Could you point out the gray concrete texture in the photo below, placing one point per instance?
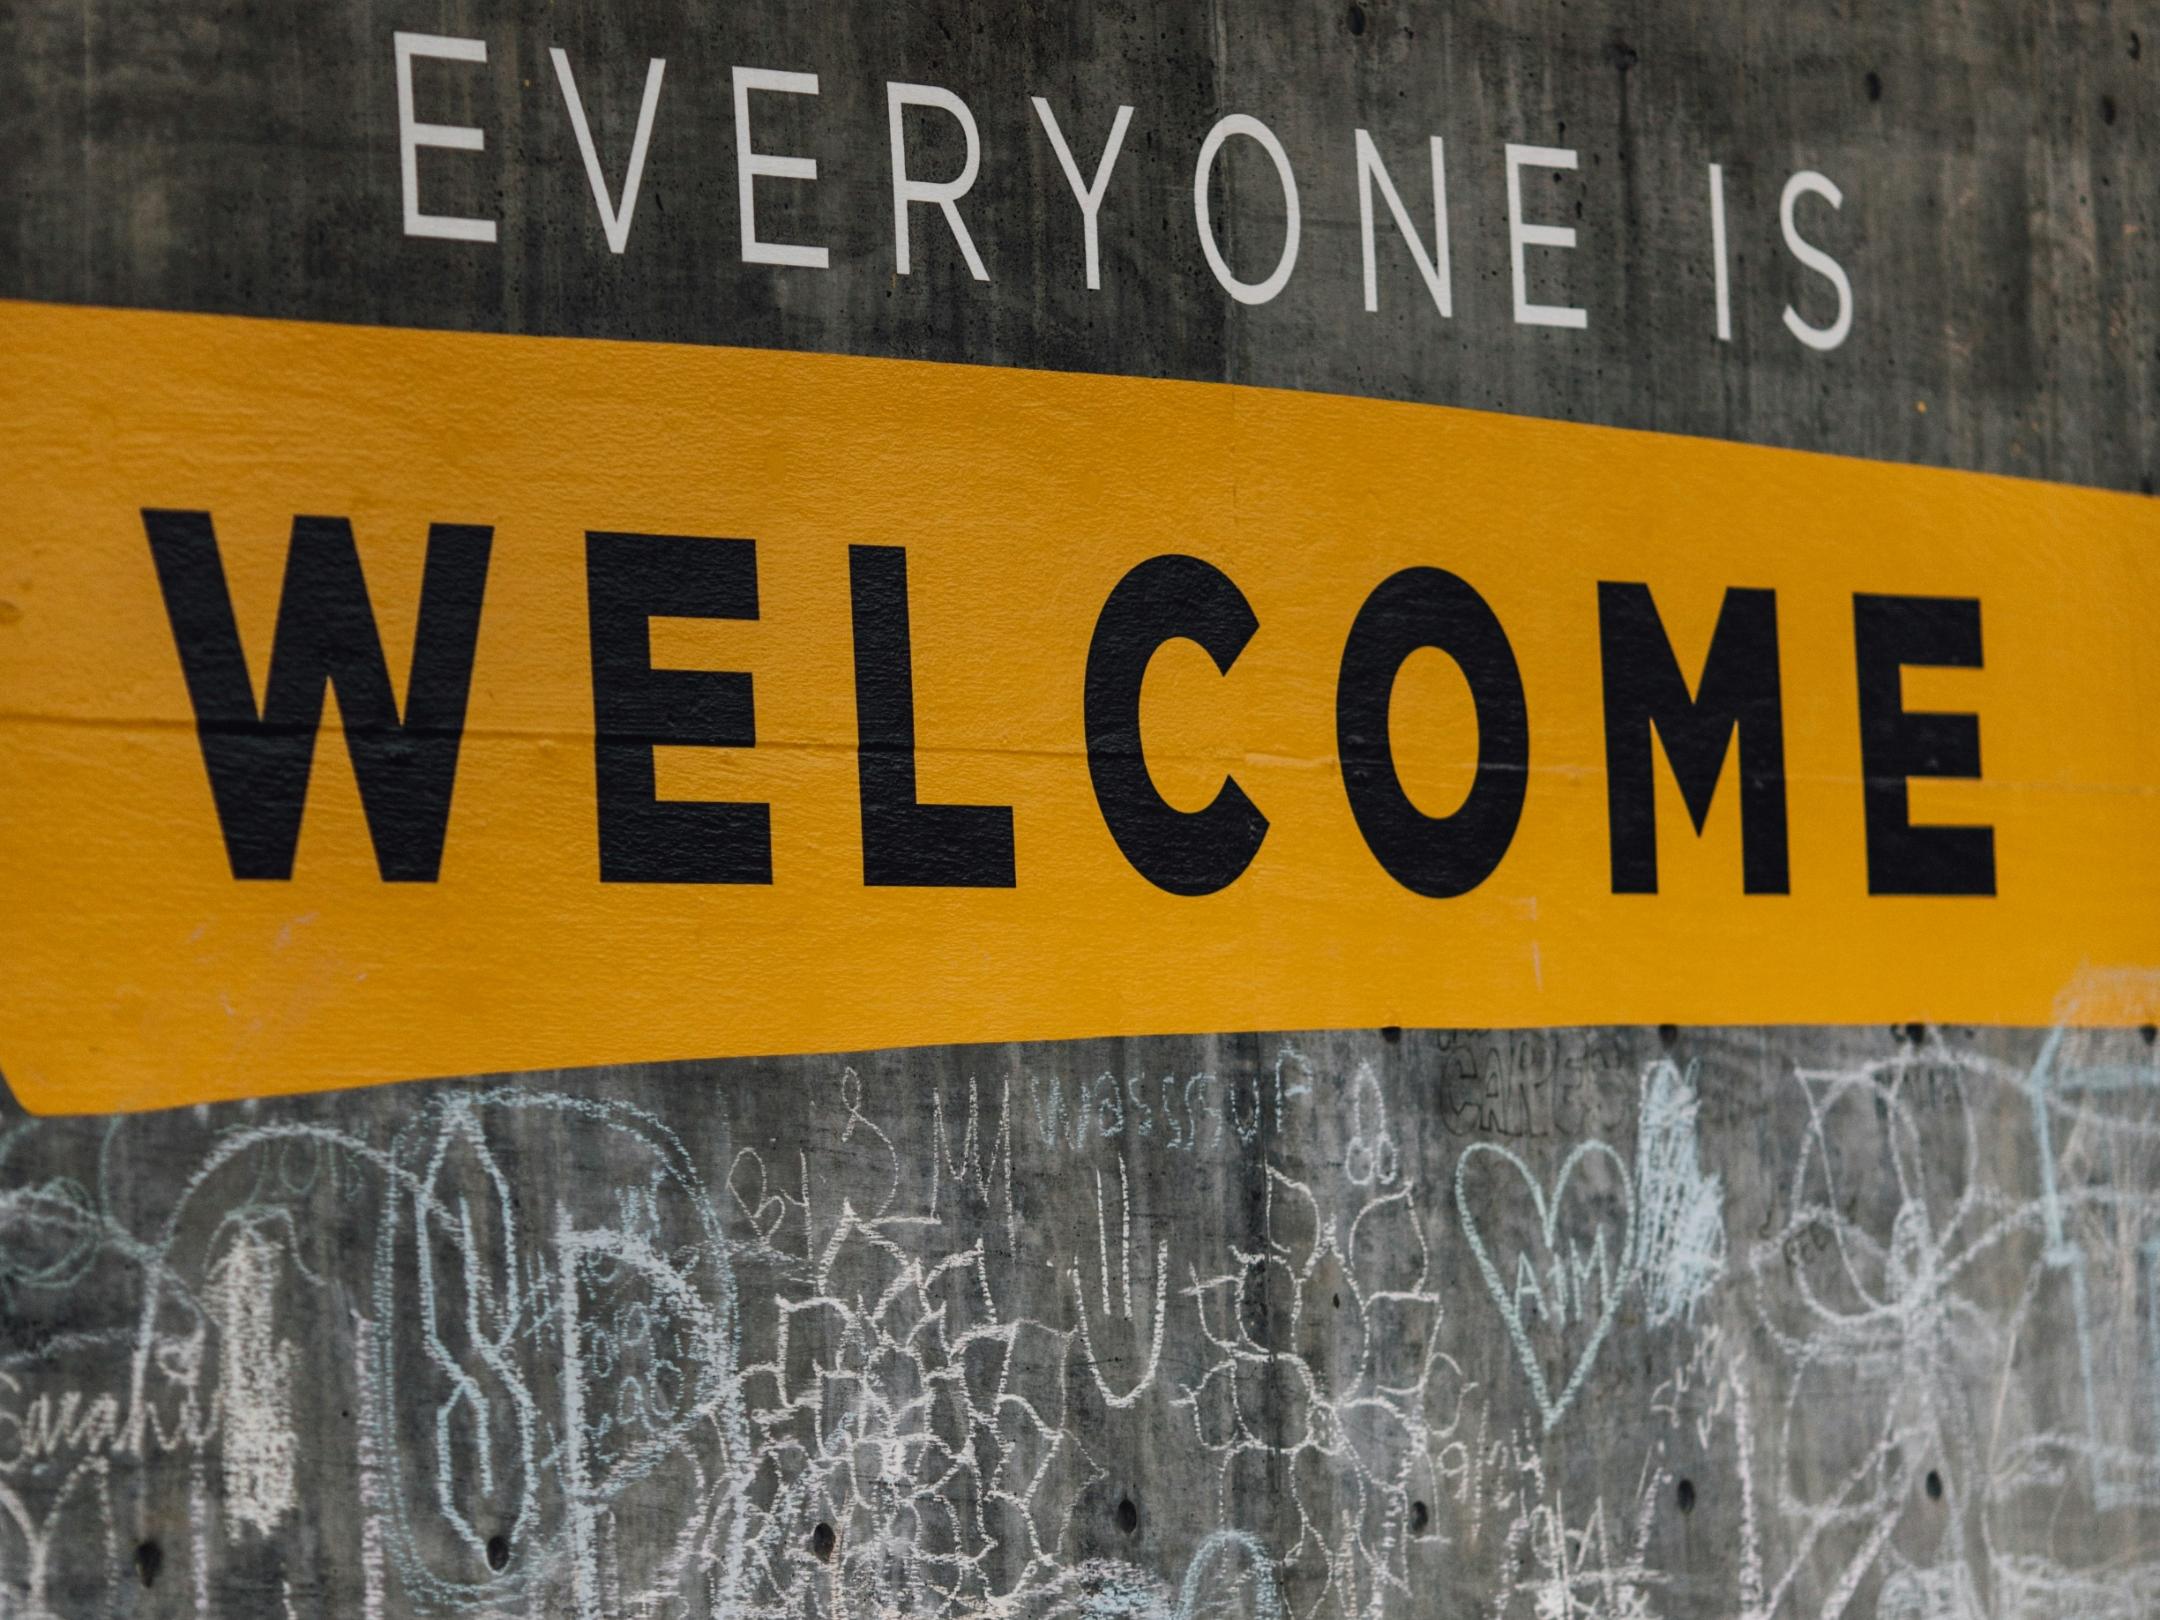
(1613, 1323)
(1347, 1325)
(2001, 224)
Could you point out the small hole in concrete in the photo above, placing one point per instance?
(1874, 86)
(1338, 1300)
(1668, 1033)
(1420, 1517)
(1128, 1516)
(2107, 109)
(1684, 1494)
(1934, 1486)
(149, 1559)
(1391, 1033)
(1357, 19)
(498, 1553)
(821, 1543)
(1916, 1033)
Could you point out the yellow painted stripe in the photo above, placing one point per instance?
(139, 972)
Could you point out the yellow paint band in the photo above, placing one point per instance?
(140, 971)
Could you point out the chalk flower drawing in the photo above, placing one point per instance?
(1322, 1351)
(1881, 1291)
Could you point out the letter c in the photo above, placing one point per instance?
(1166, 598)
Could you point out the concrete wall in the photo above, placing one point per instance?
(1614, 1322)
(1999, 224)
(1608, 1323)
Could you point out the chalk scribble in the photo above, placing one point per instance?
(1309, 1335)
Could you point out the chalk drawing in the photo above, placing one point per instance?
(1680, 1211)
(1559, 1283)
(255, 1379)
(870, 1350)
(1123, 1310)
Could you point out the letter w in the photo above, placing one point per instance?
(258, 762)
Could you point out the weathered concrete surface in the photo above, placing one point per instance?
(2001, 223)
(1794, 1323)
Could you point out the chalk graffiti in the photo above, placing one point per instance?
(1680, 1216)
(1577, 1284)
(1280, 1337)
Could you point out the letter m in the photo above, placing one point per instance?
(259, 760)
(1739, 692)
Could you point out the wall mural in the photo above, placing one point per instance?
(1344, 665)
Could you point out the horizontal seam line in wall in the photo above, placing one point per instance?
(585, 739)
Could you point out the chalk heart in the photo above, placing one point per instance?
(1548, 1206)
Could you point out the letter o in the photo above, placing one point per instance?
(1246, 292)
(1436, 856)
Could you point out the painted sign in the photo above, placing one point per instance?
(1339, 810)
(372, 721)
